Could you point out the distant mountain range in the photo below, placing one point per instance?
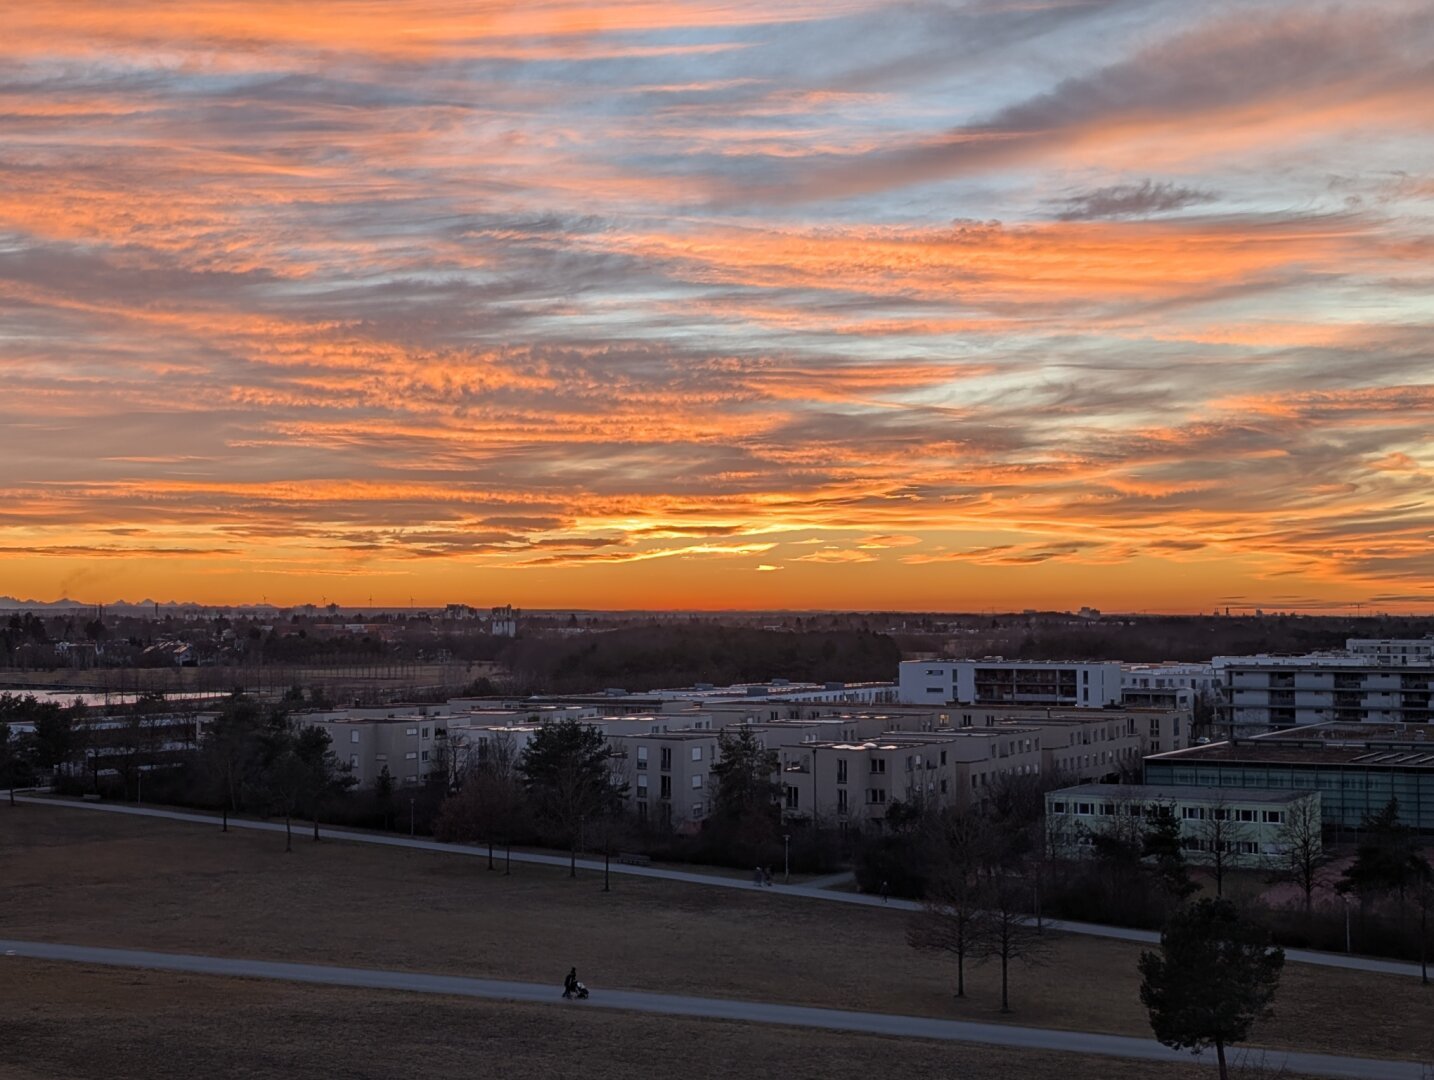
(12, 603)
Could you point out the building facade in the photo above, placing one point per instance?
(1356, 768)
(668, 775)
(1264, 693)
(996, 681)
(1251, 825)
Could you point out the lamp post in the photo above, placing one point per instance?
(411, 816)
(1347, 948)
(786, 858)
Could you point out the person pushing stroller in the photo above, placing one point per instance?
(572, 988)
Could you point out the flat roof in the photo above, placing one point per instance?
(1181, 793)
(1289, 752)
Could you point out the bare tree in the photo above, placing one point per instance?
(1222, 836)
(10, 761)
(950, 919)
(484, 807)
(286, 780)
(1005, 933)
(1302, 837)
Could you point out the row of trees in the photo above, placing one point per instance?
(568, 787)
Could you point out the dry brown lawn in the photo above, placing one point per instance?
(71, 1022)
(98, 879)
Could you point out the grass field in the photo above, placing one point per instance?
(98, 879)
(71, 1022)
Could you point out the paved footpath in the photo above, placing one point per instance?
(758, 1012)
(809, 892)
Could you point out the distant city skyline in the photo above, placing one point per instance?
(698, 305)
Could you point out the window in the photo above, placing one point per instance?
(697, 781)
(878, 764)
(1219, 813)
(793, 798)
(665, 792)
(642, 787)
(353, 736)
(411, 731)
(1192, 813)
(943, 787)
(841, 771)
(1058, 808)
(943, 757)
(425, 733)
(666, 759)
(1244, 815)
(424, 755)
(1247, 847)
(642, 811)
(353, 761)
(1084, 808)
(1108, 809)
(697, 810)
(697, 753)
(841, 801)
(1274, 817)
(876, 796)
(908, 762)
(642, 757)
(412, 755)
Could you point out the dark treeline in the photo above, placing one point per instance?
(1154, 638)
(1137, 874)
(680, 654)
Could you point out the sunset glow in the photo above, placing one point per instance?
(632, 304)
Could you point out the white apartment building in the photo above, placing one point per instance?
(854, 783)
(407, 746)
(668, 774)
(1264, 693)
(1253, 820)
(1168, 685)
(997, 681)
(1393, 650)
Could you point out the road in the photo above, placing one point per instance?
(915, 1027)
(809, 892)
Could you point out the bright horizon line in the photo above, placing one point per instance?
(1331, 610)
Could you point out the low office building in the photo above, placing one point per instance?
(1356, 768)
(997, 681)
(1252, 824)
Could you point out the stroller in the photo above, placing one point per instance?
(575, 989)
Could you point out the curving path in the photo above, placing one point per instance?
(808, 891)
(758, 1012)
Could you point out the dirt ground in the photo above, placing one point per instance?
(98, 879)
(163, 1026)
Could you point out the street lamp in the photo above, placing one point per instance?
(786, 858)
(411, 832)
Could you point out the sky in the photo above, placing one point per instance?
(719, 303)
